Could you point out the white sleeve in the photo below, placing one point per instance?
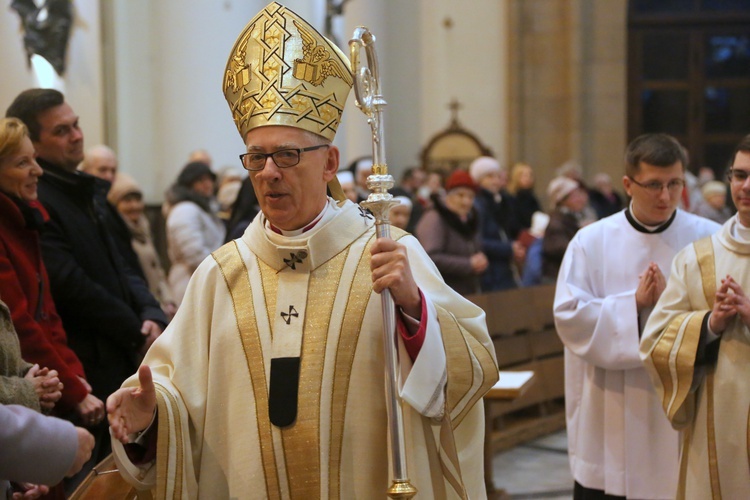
(603, 331)
(35, 448)
(423, 382)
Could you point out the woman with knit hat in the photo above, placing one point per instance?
(449, 232)
(194, 229)
(713, 205)
(126, 196)
(498, 226)
(569, 199)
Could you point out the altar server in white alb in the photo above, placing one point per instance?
(270, 380)
(696, 348)
(612, 274)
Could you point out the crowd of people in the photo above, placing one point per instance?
(85, 294)
(87, 291)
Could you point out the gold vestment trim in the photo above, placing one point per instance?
(302, 438)
(162, 446)
(234, 271)
(660, 358)
(704, 252)
(270, 282)
(449, 456)
(457, 361)
(351, 325)
(179, 440)
(490, 374)
(170, 422)
(460, 369)
(713, 462)
(460, 349)
(685, 361)
(687, 436)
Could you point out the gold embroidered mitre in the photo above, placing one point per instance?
(281, 71)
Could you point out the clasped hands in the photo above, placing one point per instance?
(651, 284)
(730, 301)
(47, 385)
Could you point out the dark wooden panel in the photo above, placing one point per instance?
(512, 350)
(545, 343)
(552, 375)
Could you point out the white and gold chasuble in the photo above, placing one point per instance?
(709, 403)
(255, 299)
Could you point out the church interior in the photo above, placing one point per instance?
(542, 82)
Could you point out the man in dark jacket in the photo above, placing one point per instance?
(107, 310)
(101, 161)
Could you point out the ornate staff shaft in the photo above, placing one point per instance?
(370, 101)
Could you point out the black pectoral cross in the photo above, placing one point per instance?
(295, 258)
(287, 317)
(365, 214)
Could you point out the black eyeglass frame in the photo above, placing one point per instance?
(730, 175)
(650, 186)
(299, 152)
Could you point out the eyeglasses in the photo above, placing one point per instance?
(738, 176)
(656, 187)
(283, 158)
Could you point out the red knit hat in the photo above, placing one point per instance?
(460, 178)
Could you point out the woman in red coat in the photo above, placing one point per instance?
(24, 284)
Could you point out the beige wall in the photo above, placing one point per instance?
(82, 84)
(568, 85)
(538, 80)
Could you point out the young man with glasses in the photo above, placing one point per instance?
(270, 380)
(696, 348)
(612, 274)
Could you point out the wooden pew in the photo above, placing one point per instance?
(522, 328)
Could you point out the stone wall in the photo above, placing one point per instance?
(568, 86)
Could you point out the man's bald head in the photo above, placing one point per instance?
(100, 161)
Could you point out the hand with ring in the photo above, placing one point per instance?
(91, 410)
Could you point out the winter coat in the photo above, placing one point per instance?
(450, 243)
(193, 232)
(14, 389)
(102, 302)
(525, 203)
(25, 288)
(148, 258)
(563, 225)
(497, 229)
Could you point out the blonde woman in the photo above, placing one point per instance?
(521, 187)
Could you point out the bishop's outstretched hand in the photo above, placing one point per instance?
(131, 409)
